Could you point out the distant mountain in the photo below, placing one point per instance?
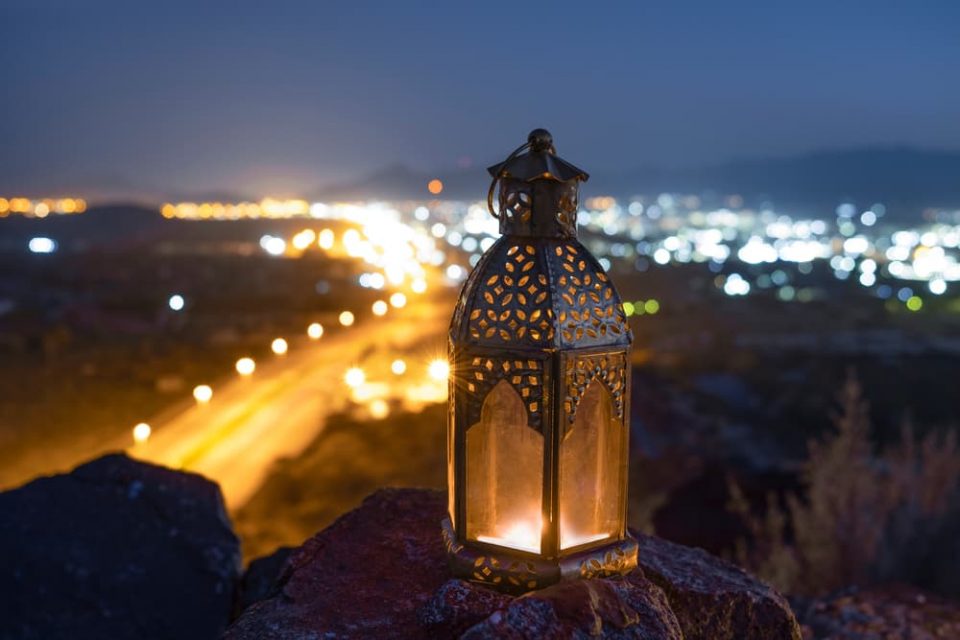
(905, 180)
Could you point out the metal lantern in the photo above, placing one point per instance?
(538, 408)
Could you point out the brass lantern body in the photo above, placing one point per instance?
(538, 414)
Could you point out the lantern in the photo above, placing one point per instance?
(538, 405)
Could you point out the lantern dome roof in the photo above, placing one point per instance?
(540, 162)
(541, 293)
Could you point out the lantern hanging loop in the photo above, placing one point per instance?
(539, 140)
(496, 178)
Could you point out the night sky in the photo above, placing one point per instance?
(289, 96)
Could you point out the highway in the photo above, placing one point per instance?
(278, 410)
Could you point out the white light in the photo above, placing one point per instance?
(346, 318)
(380, 308)
(42, 245)
(376, 281)
(455, 272)
(868, 279)
(398, 300)
(141, 433)
(315, 331)
(273, 245)
(438, 230)
(379, 409)
(868, 218)
(246, 366)
(938, 287)
(398, 366)
(202, 393)
(661, 256)
(419, 285)
(325, 239)
(421, 213)
(439, 370)
(354, 377)
(736, 285)
(176, 302)
(856, 245)
(279, 346)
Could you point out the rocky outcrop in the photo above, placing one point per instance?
(116, 549)
(380, 571)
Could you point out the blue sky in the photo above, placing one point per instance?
(282, 97)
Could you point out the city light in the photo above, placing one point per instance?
(380, 308)
(176, 302)
(354, 377)
(398, 300)
(419, 285)
(435, 187)
(398, 367)
(439, 370)
(41, 208)
(325, 239)
(202, 393)
(315, 331)
(246, 366)
(273, 245)
(379, 409)
(279, 346)
(346, 318)
(41, 244)
(141, 432)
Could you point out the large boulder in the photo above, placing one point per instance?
(116, 549)
(713, 599)
(381, 571)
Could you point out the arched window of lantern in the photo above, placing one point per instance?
(592, 471)
(504, 474)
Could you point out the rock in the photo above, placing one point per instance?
(881, 612)
(116, 549)
(366, 575)
(260, 578)
(381, 571)
(713, 599)
(457, 606)
(615, 608)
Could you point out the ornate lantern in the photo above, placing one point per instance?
(538, 410)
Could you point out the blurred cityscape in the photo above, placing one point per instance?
(195, 334)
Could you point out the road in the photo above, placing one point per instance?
(276, 412)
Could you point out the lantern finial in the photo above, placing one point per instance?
(540, 140)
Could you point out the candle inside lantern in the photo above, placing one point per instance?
(523, 535)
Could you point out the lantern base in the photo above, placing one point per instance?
(517, 572)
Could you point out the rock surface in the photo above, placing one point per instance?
(116, 549)
(881, 612)
(380, 571)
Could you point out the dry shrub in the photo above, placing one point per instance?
(865, 517)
